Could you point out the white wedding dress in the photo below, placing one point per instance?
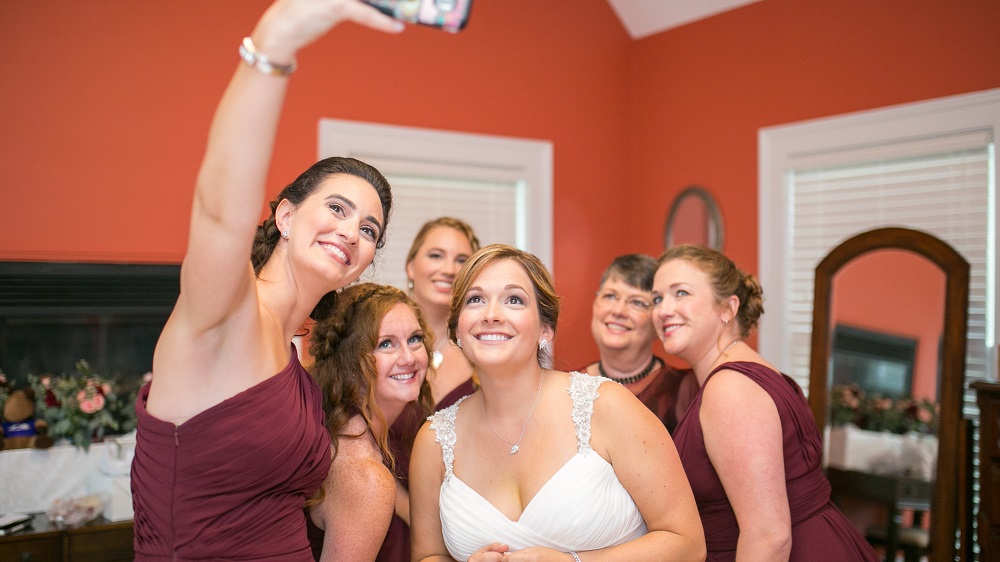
(582, 507)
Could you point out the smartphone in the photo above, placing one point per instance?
(449, 15)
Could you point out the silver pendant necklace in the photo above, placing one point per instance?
(514, 445)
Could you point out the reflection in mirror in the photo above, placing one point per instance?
(884, 304)
(887, 318)
(886, 290)
(694, 218)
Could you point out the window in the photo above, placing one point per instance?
(501, 186)
(928, 166)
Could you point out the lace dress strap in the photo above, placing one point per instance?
(443, 426)
(583, 389)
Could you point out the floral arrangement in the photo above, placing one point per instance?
(849, 405)
(82, 406)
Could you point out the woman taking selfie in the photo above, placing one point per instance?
(213, 478)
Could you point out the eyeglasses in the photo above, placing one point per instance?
(635, 304)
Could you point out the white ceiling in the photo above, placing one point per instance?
(646, 17)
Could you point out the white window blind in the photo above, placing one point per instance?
(493, 208)
(941, 185)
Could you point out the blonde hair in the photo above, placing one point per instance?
(448, 222)
(545, 291)
(727, 280)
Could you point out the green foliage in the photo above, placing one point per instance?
(849, 405)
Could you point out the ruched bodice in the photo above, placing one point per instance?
(583, 506)
(230, 483)
(815, 520)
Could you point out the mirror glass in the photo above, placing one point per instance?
(694, 218)
(886, 325)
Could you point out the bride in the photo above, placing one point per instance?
(541, 464)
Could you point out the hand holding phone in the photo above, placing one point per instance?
(449, 15)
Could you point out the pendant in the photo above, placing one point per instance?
(513, 450)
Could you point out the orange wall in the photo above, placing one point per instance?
(105, 104)
(899, 293)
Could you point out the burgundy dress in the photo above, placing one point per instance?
(230, 483)
(820, 532)
(669, 394)
(396, 547)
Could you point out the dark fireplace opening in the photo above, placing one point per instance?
(53, 314)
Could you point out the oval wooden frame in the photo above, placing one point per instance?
(716, 230)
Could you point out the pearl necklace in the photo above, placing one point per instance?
(634, 378)
(515, 446)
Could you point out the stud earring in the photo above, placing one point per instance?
(542, 344)
(458, 342)
(284, 235)
(409, 284)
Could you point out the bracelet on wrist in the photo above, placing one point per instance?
(576, 557)
(249, 55)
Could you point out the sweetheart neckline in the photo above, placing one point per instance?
(545, 486)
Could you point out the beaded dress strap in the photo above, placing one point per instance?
(583, 391)
(443, 426)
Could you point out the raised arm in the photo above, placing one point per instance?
(744, 442)
(229, 194)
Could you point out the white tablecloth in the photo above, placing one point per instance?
(31, 479)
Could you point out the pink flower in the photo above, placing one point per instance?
(147, 377)
(105, 389)
(925, 416)
(92, 405)
(46, 382)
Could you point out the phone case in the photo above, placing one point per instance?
(449, 15)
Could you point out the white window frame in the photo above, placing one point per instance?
(395, 149)
(779, 145)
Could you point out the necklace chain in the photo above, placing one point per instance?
(515, 446)
(629, 380)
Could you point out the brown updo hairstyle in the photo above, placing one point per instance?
(267, 235)
(343, 347)
(545, 291)
(726, 279)
(449, 222)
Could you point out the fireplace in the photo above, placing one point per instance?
(53, 314)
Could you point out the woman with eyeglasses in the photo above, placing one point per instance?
(623, 331)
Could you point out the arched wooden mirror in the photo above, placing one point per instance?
(890, 249)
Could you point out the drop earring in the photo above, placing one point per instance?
(458, 342)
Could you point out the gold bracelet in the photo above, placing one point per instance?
(249, 54)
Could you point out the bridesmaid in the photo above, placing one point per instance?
(748, 442)
(371, 356)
